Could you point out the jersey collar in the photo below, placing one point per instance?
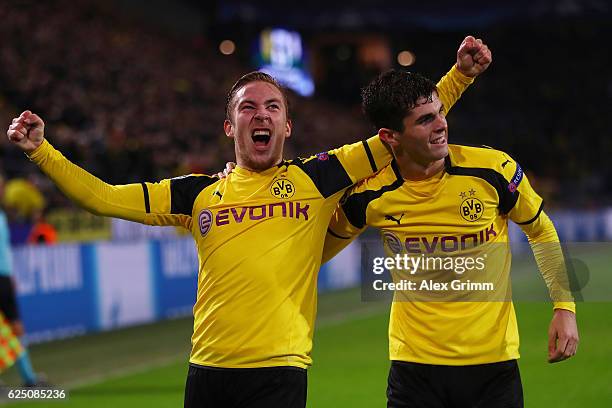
(249, 173)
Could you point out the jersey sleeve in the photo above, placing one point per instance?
(163, 203)
(547, 251)
(350, 217)
(360, 160)
(340, 233)
(337, 169)
(525, 207)
(451, 86)
(519, 200)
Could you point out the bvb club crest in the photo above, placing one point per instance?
(471, 209)
(282, 188)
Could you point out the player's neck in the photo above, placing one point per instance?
(411, 170)
(254, 168)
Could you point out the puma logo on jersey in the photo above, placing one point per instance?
(217, 193)
(504, 163)
(392, 218)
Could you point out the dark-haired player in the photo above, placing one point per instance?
(443, 199)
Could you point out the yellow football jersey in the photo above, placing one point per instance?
(259, 237)
(464, 207)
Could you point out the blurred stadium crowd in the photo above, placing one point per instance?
(130, 102)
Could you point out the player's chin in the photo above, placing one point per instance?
(264, 160)
(438, 151)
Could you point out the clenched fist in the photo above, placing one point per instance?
(473, 57)
(27, 131)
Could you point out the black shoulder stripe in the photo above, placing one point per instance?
(184, 190)
(327, 173)
(145, 190)
(396, 171)
(508, 196)
(355, 205)
(333, 234)
(535, 217)
(370, 156)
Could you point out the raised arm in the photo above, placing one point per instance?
(473, 58)
(149, 203)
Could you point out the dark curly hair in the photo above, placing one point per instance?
(255, 76)
(392, 95)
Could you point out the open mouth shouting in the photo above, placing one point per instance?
(261, 139)
(440, 140)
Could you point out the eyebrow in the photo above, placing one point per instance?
(423, 118)
(252, 102)
(426, 116)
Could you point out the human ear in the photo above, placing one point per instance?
(389, 136)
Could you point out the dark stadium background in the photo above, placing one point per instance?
(135, 91)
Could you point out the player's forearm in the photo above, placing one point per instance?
(88, 191)
(546, 248)
(451, 86)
